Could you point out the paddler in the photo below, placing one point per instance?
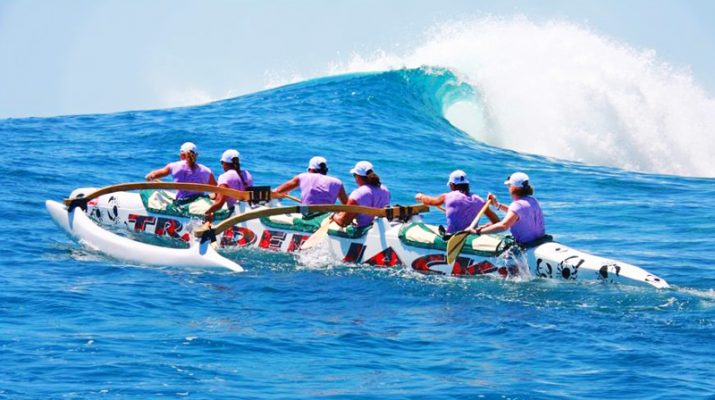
(523, 216)
(460, 205)
(369, 193)
(233, 178)
(186, 170)
(316, 187)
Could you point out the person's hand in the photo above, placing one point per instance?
(419, 196)
(209, 216)
(212, 196)
(477, 230)
(149, 177)
(494, 200)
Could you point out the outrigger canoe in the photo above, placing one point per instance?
(398, 238)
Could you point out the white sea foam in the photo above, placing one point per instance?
(317, 257)
(562, 90)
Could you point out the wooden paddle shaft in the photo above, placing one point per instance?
(479, 215)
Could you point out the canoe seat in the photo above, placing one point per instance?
(349, 231)
(162, 202)
(296, 222)
(419, 234)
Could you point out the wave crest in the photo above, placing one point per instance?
(560, 90)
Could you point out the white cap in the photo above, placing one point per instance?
(517, 179)
(229, 155)
(189, 147)
(316, 161)
(362, 168)
(458, 177)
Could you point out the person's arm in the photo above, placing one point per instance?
(509, 220)
(158, 173)
(249, 179)
(493, 217)
(430, 200)
(345, 218)
(219, 201)
(342, 196)
(497, 205)
(288, 186)
(212, 182)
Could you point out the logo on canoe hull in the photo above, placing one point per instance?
(609, 272)
(567, 269)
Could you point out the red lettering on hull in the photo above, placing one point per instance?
(238, 236)
(355, 253)
(296, 241)
(162, 226)
(272, 240)
(385, 258)
(462, 266)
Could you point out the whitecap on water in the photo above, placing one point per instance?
(317, 257)
(707, 296)
(588, 97)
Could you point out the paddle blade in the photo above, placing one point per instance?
(317, 236)
(454, 246)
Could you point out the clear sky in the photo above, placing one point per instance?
(77, 57)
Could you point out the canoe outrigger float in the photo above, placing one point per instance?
(397, 238)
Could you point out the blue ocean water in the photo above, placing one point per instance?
(74, 324)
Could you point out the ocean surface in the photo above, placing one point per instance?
(77, 325)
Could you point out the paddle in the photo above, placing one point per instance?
(456, 242)
(319, 235)
(397, 211)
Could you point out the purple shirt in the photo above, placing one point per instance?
(461, 209)
(530, 225)
(231, 179)
(181, 172)
(369, 196)
(317, 188)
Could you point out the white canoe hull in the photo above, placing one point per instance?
(380, 247)
(81, 228)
